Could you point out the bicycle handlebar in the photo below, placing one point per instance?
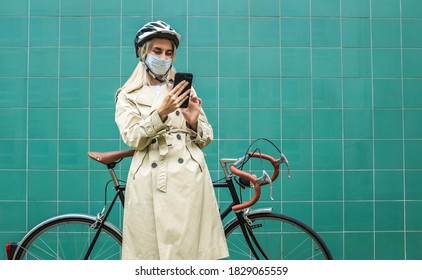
(257, 182)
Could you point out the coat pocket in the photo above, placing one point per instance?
(137, 161)
(197, 155)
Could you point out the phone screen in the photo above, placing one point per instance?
(179, 77)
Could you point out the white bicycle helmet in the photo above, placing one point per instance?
(155, 29)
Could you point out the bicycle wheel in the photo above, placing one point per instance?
(280, 237)
(68, 237)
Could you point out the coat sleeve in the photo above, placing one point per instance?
(136, 132)
(203, 134)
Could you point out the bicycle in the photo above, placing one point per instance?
(250, 234)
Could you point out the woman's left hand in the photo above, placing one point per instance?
(191, 113)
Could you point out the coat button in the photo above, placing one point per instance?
(153, 141)
(177, 113)
(153, 165)
(180, 160)
(178, 136)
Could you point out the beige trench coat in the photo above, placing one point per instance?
(170, 209)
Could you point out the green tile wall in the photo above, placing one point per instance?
(337, 84)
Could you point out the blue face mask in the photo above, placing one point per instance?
(157, 65)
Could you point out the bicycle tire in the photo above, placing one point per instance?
(281, 238)
(67, 237)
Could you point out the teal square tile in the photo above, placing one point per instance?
(356, 32)
(232, 148)
(234, 127)
(388, 93)
(102, 92)
(388, 154)
(355, 8)
(412, 124)
(105, 62)
(357, 93)
(412, 38)
(298, 210)
(44, 31)
(296, 123)
(13, 124)
(14, 31)
(130, 26)
(44, 8)
(12, 222)
(264, 32)
(102, 124)
(296, 8)
(12, 154)
(296, 62)
(388, 124)
(325, 8)
(358, 154)
(326, 93)
(233, 8)
(43, 62)
(387, 63)
(43, 92)
(389, 246)
(17, 180)
(389, 185)
(207, 90)
(299, 153)
(358, 216)
(73, 154)
(386, 33)
(74, 62)
(13, 100)
(413, 150)
(385, 8)
(74, 92)
(73, 123)
(328, 216)
(413, 210)
(14, 62)
(228, 26)
(196, 36)
(74, 31)
(358, 246)
(41, 211)
(295, 32)
(198, 8)
(42, 185)
(166, 8)
(412, 187)
(327, 124)
(75, 8)
(42, 154)
(413, 245)
(265, 93)
(265, 62)
(270, 9)
(412, 93)
(15, 8)
(73, 207)
(389, 215)
(105, 31)
(129, 62)
(265, 123)
(328, 154)
(358, 124)
(236, 62)
(296, 92)
(411, 8)
(412, 67)
(42, 123)
(234, 92)
(357, 63)
(203, 61)
(106, 8)
(298, 188)
(132, 8)
(358, 185)
(326, 32)
(326, 62)
(327, 185)
(73, 185)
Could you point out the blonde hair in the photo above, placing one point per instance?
(140, 77)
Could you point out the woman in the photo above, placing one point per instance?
(170, 210)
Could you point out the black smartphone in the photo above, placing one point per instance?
(179, 77)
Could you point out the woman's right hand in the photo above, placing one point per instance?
(172, 100)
